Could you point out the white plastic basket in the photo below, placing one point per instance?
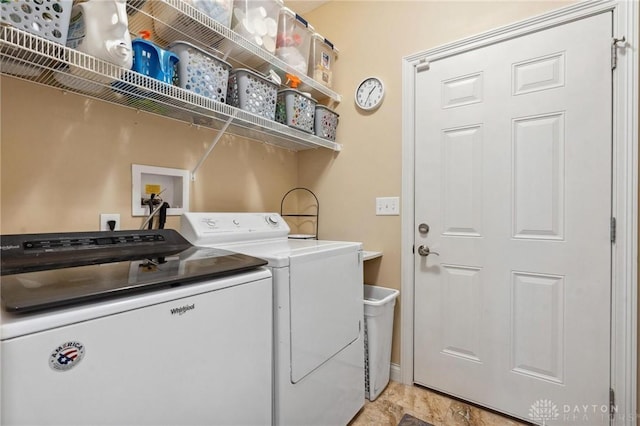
(200, 72)
(325, 123)
(251, 92)
(45, 18)
(295, 110)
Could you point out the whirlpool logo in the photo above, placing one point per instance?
(183, 309)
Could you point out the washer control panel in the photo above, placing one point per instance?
(218, 228)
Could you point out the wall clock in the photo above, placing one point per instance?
(369, 94)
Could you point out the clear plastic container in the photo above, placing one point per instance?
(218, 10)
(171, 25)
(296, 110)
(322, 57)
(252, 92)
(257, 21)
(200, 72)
(293, 40)
(325, 123)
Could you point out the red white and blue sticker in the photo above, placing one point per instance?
(66, 356)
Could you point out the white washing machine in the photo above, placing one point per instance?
(133, 328)
(318, 313)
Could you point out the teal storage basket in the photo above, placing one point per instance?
(153, 61)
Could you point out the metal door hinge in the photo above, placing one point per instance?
(617, 42)
(613, 229)
(423, 65)
(612, 403)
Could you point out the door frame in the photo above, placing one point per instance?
(624, 260)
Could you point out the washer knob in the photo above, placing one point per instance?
(236, 222)
(210, 223)
(272, 219)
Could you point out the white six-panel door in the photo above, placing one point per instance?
(513, 178)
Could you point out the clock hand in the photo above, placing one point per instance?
(369, 95)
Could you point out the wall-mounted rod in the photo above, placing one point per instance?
(215, 140)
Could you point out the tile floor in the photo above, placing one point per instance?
(398, 399)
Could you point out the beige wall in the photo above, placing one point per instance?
(66, 159)
(373, 37)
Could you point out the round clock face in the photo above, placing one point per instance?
(369, 93)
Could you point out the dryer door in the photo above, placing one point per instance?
(326, 291)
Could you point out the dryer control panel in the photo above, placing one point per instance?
(218, 228)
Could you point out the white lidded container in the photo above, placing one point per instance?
(293, 40)
(257, 21)
(379, 303)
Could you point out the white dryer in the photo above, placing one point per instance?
(318, 313)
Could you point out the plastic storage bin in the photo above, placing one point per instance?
(325, 123)
(379, 303)
(218, 10)
(168, 19)
(251, 92)
(293, 40)
(154, 61)
(45, 18)
(201, 72)
(257, 21)
(296, 110)
(322, 57)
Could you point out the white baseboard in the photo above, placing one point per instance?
(395, 373)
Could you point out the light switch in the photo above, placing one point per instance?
(387, 206)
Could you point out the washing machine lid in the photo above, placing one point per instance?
(42, 271)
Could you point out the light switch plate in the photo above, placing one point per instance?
(387, 206)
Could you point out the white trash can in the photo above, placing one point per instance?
(379, 303)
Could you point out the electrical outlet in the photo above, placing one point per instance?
(387, 206)
(106, 217)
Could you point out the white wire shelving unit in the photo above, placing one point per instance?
(30, 57)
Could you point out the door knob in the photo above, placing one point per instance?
(426, 251)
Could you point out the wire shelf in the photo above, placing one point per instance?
(179, 20)
(29, 57)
